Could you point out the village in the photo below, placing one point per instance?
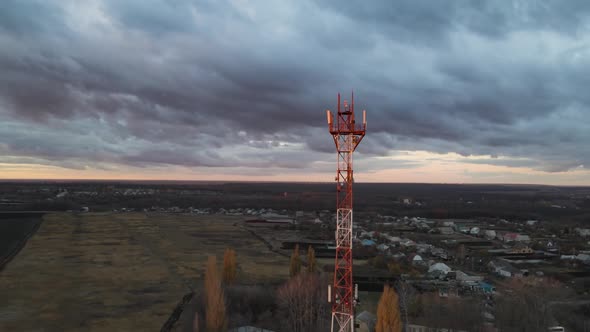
(468, 259)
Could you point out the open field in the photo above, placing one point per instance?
(123, 272)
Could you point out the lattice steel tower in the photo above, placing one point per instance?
(347, 136)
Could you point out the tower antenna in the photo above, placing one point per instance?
(347, 136)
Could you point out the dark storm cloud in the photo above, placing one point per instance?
(33, 16)
(215, 84)
(426, 21)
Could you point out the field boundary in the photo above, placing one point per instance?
(175, 316)
(19, 246)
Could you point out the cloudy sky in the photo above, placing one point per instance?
(455, 91)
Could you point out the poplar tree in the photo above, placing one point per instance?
(229, 266)
(295, 264)
(311, 262)
(388, 315)
(215, 319)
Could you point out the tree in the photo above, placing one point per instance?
(388, 316)
(196, 322)
(295, 265)
(461, 253)
(394, 268)
(526, 306)
(406, 296)
(452, 313)
(229, 266)
(303, 301)
(215, 319)
(311, 262)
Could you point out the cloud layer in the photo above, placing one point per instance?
(210, 84)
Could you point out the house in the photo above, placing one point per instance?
(249, 329)
(423, 248)
(417, 260)
(462, 229)
(366, 322)
(439, 267)
(504, 269)
(584, 232)
(368, 243)
(484, 287)
(446, 230)
(382, 247)
(489, 234)
(422, 328)
(474, 231)
(467, 278)
(509, 237)
(407, 243)
(523, 238)
(392, 239)
(440, 252)
(448, 292)
(584, 258)
(398, 256)
(520, 248)
(531, 222)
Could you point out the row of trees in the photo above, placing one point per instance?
(296, 263)
(304, 299)
(300, 303)
(215, 306)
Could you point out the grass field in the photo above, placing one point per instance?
(120, 272)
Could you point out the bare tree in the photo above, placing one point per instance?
(451, 313)
(303, 301)
(525, 304)
(406, 294)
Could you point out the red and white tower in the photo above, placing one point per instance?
(347, 135)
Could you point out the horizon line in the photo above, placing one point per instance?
(4, 180)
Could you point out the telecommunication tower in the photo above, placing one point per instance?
(347, 135)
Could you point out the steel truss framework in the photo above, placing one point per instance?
(347, 136)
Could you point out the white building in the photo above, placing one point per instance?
(504, 269)
(583, 231)
(439, 267)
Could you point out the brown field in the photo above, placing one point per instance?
(121, 272)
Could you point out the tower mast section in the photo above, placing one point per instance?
(347, 135)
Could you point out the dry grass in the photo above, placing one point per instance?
(120, 272)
